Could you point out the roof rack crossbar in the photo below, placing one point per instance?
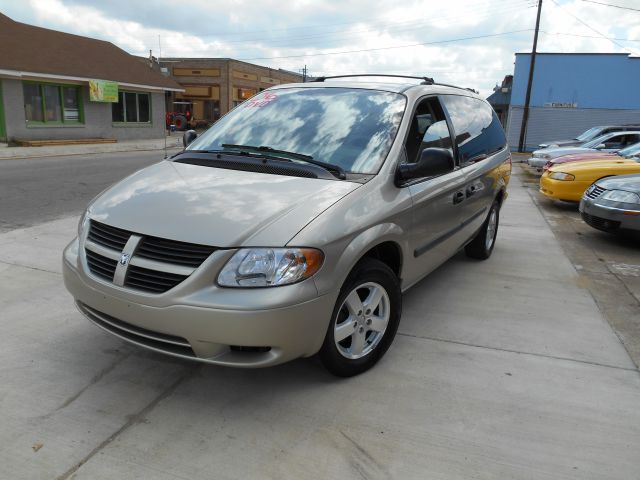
(425, 80)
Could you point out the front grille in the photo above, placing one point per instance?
(600, 223)
(170, 251)
(108, 236)
(151, 280)
(595, 191)
(157, 276)
(101, 266)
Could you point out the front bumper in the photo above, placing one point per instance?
(537, 162)
(607, 218)
(566, 190)
(199, 321)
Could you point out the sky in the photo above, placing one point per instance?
(470, 43)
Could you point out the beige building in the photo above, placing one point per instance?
(213, 86)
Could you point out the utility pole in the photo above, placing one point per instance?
(527, 100)
(304, 74)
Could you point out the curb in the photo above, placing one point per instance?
(34, 155)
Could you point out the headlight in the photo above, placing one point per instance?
(269, 267)
(621, 196)
(562, 176)
(83, 223)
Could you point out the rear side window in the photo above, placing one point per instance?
(477, 129)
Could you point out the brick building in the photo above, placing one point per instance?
(54, 85)
(213, 86)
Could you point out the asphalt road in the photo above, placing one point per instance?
(33, 191)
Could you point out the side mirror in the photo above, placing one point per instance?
(600, 147)
(432, 162)
(188, 137)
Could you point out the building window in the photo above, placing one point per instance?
(132, 107)
(49, 103)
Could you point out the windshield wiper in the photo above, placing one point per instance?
(272, 152)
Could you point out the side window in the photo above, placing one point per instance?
(617, 141)
(428, 129)
(629, 139)
(477, 128)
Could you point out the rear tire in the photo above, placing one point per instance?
(364, 320)
(482, 244)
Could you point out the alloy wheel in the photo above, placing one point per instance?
(362, 320)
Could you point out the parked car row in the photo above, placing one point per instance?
(603, 174)
(607, 143)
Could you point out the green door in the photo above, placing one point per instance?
(3, 131)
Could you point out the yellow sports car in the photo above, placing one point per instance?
(568, 181)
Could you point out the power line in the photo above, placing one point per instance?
(390, 48)
(485, 8)
(397, 27)
(614, 6)
(589, 36)
(590, 27)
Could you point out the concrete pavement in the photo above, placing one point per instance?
(501, 369)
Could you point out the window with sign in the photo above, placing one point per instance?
(46, 103)
(132, 107)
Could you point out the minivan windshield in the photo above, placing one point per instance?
(349, 127)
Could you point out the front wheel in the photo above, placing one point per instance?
(482, 244)
(365, 319)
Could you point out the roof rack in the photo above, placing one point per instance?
(425, 80)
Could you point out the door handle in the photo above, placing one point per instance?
(458, 197)
(471, 190)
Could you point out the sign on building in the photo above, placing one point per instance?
(103, 91)
(561, 104)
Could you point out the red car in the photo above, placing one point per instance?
(578, 157)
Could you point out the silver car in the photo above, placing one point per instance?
(588, 135)
(610, 142)
(612, 204)
(293, 225)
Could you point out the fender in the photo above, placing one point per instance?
(354, 251)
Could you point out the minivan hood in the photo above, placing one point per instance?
(214, 206)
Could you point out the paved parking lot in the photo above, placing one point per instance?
(501, 369)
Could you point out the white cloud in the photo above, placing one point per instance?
(246, 29)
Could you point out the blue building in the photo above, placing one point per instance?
(572, 92)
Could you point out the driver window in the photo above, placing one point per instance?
(428, 129)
